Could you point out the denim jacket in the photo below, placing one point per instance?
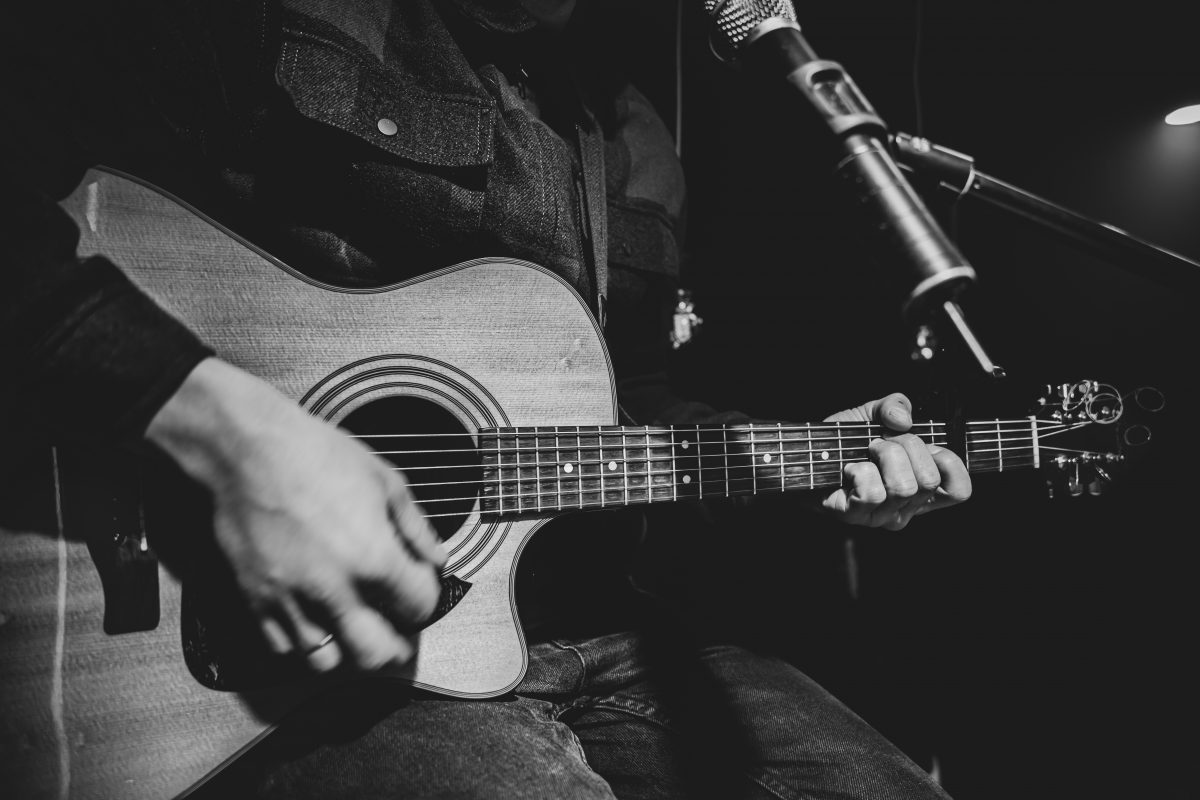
(360, 142)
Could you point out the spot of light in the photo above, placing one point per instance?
(1184, 116)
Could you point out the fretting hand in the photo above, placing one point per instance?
(904, 476)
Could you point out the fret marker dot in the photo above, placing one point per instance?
(687, 478)
(612, 466)
(685, 444)
(824, 455)
(568, 468)
(766, 458)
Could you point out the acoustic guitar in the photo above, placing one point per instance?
(125, 673)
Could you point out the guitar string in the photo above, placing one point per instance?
(649, 500)
(593, 442)
(576, 482)
(615, 459)
(616, 430)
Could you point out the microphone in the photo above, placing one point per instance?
(764, 37)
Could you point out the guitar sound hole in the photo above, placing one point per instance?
(431, 448)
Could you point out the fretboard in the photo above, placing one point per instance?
(545, 470)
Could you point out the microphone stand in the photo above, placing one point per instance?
(956, 173)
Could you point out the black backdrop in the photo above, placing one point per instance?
(1034, 647)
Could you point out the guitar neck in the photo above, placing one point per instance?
(545, 470)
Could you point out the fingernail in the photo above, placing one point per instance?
(897, 414)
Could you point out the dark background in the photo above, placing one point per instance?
(1030, 647)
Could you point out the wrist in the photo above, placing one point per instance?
(214, 424)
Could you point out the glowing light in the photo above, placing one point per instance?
(1184, 116)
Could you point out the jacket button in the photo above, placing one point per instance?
(387, 127)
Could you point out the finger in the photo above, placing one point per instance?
(404, 590)
(309, 640)
(408, 518)
(894, 412)
(277, 638)
(955, 481)
(896, 472)
(924, 467)
(862, 492)
(370, 641)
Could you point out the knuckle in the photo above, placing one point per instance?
(903, 488)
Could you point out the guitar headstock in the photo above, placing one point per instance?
(1088, 431)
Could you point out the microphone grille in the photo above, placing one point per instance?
(734, 19)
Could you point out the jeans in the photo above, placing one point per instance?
(623, 715)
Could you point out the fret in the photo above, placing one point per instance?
(521, 500)
(753, 463)
(558, 474)
(830, 468)
(674, 473)
(602, 466)
(782, 471)
(841, 459)
(499, 476)
(725, 447)
(796, 471)
(530, 473)
(577, 468)
(625, 464)
(649, 471)
(660, 482)
(686, 463)
(999, 445)
(699, 464)
(537, 469)
(610, 461)
(1033, 432)
(812, 474)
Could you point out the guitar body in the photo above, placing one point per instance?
(487, 343)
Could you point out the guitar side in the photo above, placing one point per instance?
(495, 343)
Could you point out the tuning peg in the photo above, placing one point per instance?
(1095, 487)
(1050, 489)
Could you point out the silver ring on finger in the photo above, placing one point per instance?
(327, 640)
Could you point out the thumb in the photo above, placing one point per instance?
(893, 411)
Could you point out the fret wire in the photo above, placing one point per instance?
(699, 464)
(579, 471)
(753, 461)
(1001, 446)
(600, 442)
(811, 471)
(674, 471)
(779, 434)
(841, 455)
(557, 470)
(500, 473)
(625, 464)
(537, 465)
(725, 447)
(649, 473)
